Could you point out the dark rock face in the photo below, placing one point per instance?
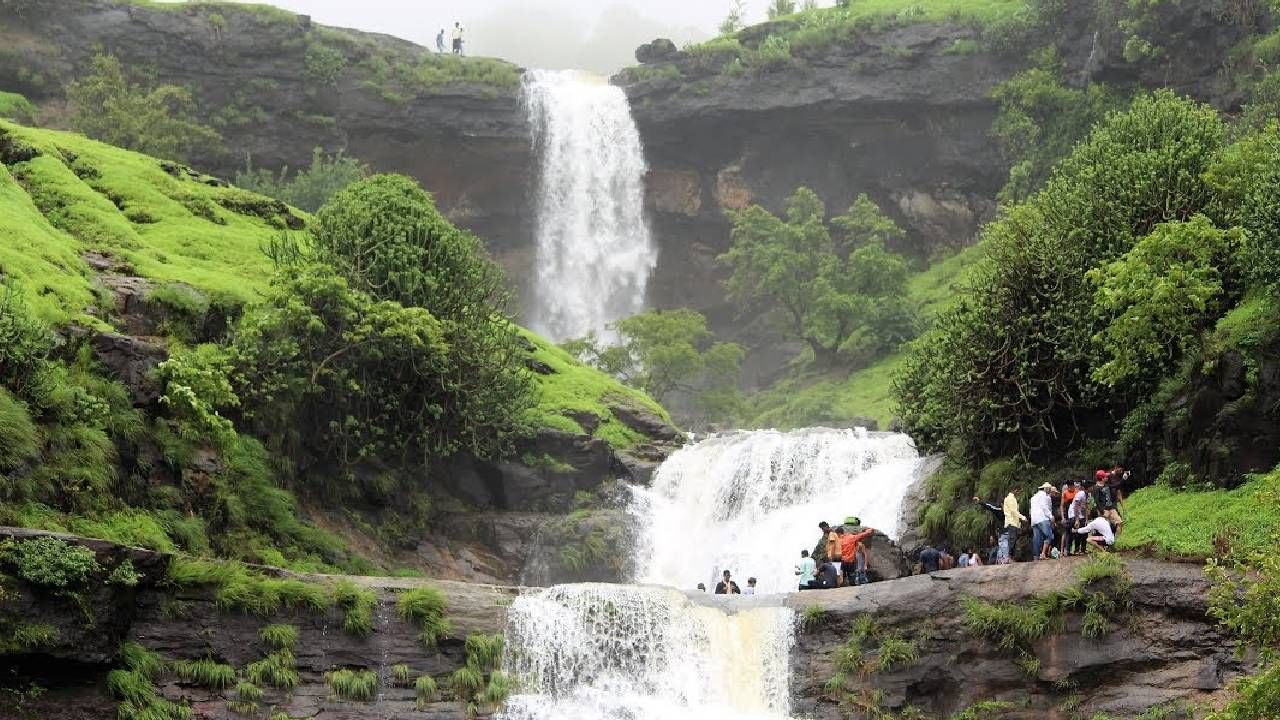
(656, 51)
(1164, 649)
(188, 625)
(131, 360)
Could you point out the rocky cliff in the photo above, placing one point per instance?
(1157, 648)
(899, 110)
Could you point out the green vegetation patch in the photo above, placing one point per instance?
(1193, 523)
(355, 685)
(567, 388)
(426, 607)
(14, 106)
(239, 588)
(77, 195)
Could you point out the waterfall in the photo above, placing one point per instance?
(749, 502)
(594, 249)
(746, 501)
(584, 652)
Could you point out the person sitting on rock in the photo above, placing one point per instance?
(751, 587)
(827, 576)
(1099, 532)
(806, 571)
(975, 559)
(702, 587)
(727, 586)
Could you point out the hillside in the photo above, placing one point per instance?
(132, 260)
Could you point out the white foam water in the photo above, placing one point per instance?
(594, 248)
(586, 652)
(749, 502)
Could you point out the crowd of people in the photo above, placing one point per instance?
(1064, 521)
(458, 43)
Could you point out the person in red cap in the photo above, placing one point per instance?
(1104, 498)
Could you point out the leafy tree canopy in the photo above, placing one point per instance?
(156, 120)
(1010, 368)
(843, 296)
(667, 354)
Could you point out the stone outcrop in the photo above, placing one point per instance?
(1162, 649)
(187, 624)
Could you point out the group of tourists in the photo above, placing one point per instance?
(457, 40)
(727, 586)
(839, 559)
(1064, 521)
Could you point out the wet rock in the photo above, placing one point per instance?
(656, 51)
(131, 360)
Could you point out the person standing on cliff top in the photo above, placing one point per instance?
(820, 550)
(727, 586)
(1042, 521)
(457, 38)
(1013, 520)
(440, 42)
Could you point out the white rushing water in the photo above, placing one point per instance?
(594, 248)
(587, 652)
(749, 502)
(746, 501)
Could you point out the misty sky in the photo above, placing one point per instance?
(598, 35)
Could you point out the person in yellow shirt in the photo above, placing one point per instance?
(1013, 520)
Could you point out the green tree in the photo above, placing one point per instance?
(1246, 181)
(1009, 369)
(843, 296)
(668, 354)
(386, 237)
(160, 120)
(1160, 297)
(781, 8)
(308, 188)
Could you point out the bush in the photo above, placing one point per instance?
(52, 563)
(160, 121)
(323, 65)
(25, 345)
(386, 237)
(308, 188)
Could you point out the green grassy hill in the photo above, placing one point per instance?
(63, 195)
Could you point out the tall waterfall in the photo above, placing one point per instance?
(594, 249)
(746, 501)
(584, 652)
(749, 502)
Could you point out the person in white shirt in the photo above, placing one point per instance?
(751, 587)
(1042, 521)
(1099, 532)
(806, 570)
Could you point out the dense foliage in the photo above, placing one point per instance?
(843, 294)
(1011, 367)
(669, 354)
(309, 188)
(158, 120)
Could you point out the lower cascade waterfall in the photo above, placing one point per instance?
(749, 502)
(744, 501)
(585, 652)
(594, 248)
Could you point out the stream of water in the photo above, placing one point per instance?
(746, 501)
(594, 248)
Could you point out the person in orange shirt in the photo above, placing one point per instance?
(850, 547)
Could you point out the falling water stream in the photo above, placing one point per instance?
(594, 248)
(746, 501)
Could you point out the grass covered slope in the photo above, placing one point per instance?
(1163, 520)
(63, 195)
(570, 391)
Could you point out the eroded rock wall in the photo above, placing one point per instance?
(1163, 649)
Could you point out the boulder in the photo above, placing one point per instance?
(656, 51)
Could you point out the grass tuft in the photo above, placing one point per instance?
(426, 690)
(279, 637)
(425, 607)
(355, 685)
(357, 604)
(277, 670)
(206, 673)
